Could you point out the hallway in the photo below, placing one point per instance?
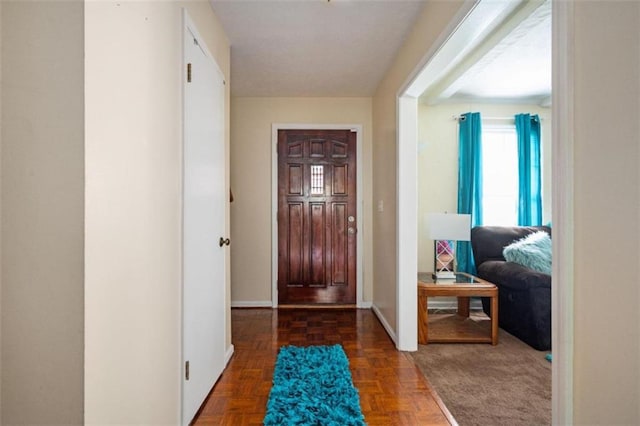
(392, 389)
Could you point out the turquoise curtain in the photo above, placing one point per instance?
(469, 182)
(530, 181)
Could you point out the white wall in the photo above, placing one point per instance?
(251, 120)
(42, 178)
(431, 22)
(133, 206)
(606, 214)
(438, 161)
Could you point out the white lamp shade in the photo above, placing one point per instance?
(449, 226)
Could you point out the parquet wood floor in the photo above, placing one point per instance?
(392, 389)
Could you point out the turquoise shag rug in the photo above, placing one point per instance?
(312, 386)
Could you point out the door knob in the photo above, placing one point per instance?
(224, 241)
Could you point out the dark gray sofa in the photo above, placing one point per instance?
(524, 295)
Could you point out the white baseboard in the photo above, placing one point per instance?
(251, 304)
(268, 304)
(228, 355)
(385, 324)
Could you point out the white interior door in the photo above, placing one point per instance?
(204, 198)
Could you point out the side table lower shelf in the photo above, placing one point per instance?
(454, 328)
(458, 327)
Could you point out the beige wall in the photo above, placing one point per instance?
(42, 212)
(133, 206)
(438, 161)
(251, 120)
(607, 213)
(429, 25)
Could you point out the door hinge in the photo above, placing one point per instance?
(186, 370)
(189, 73)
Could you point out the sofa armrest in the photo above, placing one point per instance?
(512, 275)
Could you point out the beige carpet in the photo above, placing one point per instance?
(507, 384)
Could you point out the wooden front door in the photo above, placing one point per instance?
(317, 216)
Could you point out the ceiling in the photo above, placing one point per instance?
(313, 47)
(344, 47)
(511, 64)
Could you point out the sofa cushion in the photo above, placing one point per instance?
(532, 251)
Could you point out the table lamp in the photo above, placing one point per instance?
(445, 229)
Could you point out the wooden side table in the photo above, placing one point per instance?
(457, 328)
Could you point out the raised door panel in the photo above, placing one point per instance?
(295, 179)
(339, 180)
(317, 244)
(295, 244)
(339, 249)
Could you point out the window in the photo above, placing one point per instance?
(499, 175)
(317, 180)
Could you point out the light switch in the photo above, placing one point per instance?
(380, 205)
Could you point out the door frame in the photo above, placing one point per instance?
(562, 297)
(275, 127)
